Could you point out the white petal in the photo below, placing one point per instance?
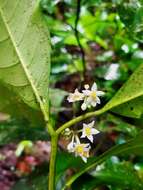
(93, 104)
(100, 93)
(95, 131)
(98, 100)
(70, 147)
(85, 125)
(69, 98)
(94, 86)
(76, 91)
(91, 124)
(89, 100)
(84, 106)
(86, 92)
(90, 138)
(83, 135)
(84, 159)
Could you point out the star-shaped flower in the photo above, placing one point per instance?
(76, 96)
(82, 150)
(91, 97)
(88, 131)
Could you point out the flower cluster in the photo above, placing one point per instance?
(82, 149)
(90, 97)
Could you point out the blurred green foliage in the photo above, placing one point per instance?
(110, 34)
(107, 37)
(105, 33)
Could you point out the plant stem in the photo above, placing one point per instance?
(54, 143)
(78, 119)
(77, 35)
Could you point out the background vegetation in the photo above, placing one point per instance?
(95, 40)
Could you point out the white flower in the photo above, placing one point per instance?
(88, 131)
(91, 97)
(78, 148)
(76, 96)
(70, 146)
(82, 150)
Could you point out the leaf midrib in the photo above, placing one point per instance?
(27, 73)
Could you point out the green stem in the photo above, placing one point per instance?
(78, 119)
(54, 143)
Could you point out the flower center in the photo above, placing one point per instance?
(88, 131)
(93, 94)
(76, 97)
(79, 149)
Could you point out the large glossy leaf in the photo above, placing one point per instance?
(121, 175)
(128, 101)
(11, 103)
(68, 161)
(134, 146)
(24, 51)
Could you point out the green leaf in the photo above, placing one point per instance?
(24, 52)
(119, 175)
(68, 160)
(133, 108)
(134, 146)
(10, 103)
(128, 101)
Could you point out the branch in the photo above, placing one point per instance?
(78, 119)
(77, 33)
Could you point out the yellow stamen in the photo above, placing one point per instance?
(88, 131)
(79, 149)
(76, 97)
(93, 94)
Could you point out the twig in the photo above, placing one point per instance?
(78, 10)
